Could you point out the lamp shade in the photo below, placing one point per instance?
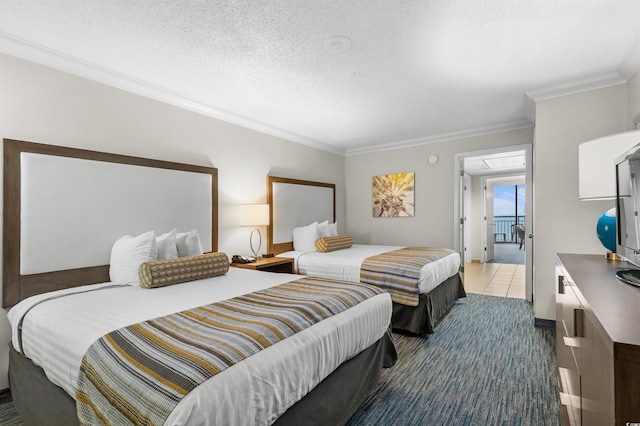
(254, 214)
(596, 164)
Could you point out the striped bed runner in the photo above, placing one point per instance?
(398, 271)
(139, 373)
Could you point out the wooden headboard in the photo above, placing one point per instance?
(293, 203)
(60, 200)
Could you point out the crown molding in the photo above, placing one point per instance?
(44, 56)
(443, 137)
(576, 86)
(630, 62)
(629, 65)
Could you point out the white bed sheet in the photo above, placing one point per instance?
(57, 333)
(345, 264)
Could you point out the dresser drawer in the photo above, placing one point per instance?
(567, 349)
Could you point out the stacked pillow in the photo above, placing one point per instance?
(166, 245)
(128, 253)
(188, 244)
(304, 237)
(326, 229)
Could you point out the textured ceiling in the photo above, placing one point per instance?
(348, 76)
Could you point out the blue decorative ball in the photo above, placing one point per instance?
(606, 229)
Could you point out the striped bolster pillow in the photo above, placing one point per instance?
(160, 273)
(338, 242)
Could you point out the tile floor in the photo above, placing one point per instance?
(495, 279)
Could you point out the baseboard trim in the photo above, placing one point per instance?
(5, 396)
(544, 323)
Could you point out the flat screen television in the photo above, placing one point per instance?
(628, 205)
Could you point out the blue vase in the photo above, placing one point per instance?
(606, 229)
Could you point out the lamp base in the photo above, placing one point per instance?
(613, 257)
(256, 252)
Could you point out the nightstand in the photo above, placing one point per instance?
(270, 264)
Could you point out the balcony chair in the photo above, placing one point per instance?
(520, 234)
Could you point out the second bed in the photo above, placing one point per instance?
(439, 285)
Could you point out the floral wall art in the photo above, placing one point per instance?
(393, 195)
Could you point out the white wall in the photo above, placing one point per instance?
(39, 104)
(562, 223)
(433, 221)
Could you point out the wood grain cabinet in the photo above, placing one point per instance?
(597, 342)
(567, 353)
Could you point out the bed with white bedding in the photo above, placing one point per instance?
(47, 330)
(345, 264)
(62, 301)
(437, 289)
(439, 284)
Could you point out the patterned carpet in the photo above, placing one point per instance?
(485, 365)
(8, 415)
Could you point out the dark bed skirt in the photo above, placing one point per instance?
(333, 401)
(432, 307)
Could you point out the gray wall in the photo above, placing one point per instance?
(43, 105)
(39, 104)
(434, 185)
(633, 94)
(562, 223)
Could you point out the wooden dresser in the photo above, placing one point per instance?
(597, 342)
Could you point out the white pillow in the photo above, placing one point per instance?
(323, 229)
(304, 237)
(188, 243)
(128, 253)
(333, 229)
(166, 245)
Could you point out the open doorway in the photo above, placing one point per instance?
(494, 202)
(507, 222)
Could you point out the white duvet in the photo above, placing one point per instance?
(345, 264)
(56, 334)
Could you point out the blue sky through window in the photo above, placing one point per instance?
(504, 200)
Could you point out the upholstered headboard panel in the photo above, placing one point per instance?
(293, 203)
(64, 208)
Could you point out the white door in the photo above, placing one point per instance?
(489, 225)
(466, 214)
(528, 223)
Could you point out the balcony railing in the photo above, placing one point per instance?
(504, 228)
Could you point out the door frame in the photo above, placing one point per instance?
(458, 205)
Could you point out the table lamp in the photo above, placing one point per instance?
(254, 215)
